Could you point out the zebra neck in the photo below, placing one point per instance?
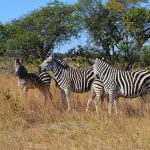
(58, 72)
(105, 71)
(22, 75)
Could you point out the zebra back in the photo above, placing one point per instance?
(79, 80)
(125, 83)
(43, 79)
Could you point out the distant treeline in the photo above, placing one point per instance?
(117, 30)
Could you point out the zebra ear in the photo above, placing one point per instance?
(17, 60)
(92, 61)
(21, 60)
(50, 54)
(51, 57)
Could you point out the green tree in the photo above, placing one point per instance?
(145, 57)
(136, 22)
(103, 25)
(43, 29)
(121, 29)
(3, 37)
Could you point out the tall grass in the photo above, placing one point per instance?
(25, 124)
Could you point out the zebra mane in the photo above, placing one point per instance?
(61, 62)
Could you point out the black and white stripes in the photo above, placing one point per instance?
(25, 80)
(69, 79)
(125, 83)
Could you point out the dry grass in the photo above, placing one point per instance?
(25, 124)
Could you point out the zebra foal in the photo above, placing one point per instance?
(76, 80)
(26, 81)
(116, 82)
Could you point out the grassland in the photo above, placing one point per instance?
(25, 124)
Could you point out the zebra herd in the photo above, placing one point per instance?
(98, 79)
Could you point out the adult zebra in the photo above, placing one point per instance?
(124, 83)
(77, 80)
(26, 81)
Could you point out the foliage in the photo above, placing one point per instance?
(121, 34)
(84, 51)
(117, 5)
(102, 24)
(3, 36)
(81, 55)
(136, 23)
(41, 30)
(114, 5)
(118, 31)
(145, 57)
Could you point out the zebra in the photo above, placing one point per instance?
(26, 81)
(76, 80)
(128, 84)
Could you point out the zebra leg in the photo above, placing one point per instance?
(101, 97)
(47, 96)
(25, 91)
(20, 91)
(111, 99)
(98, 99)
(96, 104)
(92, 96)
(50, 96)
(63, 95)
(116, 105)
(143, 101)
(47, 91)
(107, 98)
(68, 99)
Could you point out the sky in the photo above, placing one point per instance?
(11, 9)
(14, 9)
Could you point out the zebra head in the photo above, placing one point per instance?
(98, 67)
(47, 63)
(17, 64)
(19, 68)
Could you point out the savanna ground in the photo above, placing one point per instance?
(25, 124)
